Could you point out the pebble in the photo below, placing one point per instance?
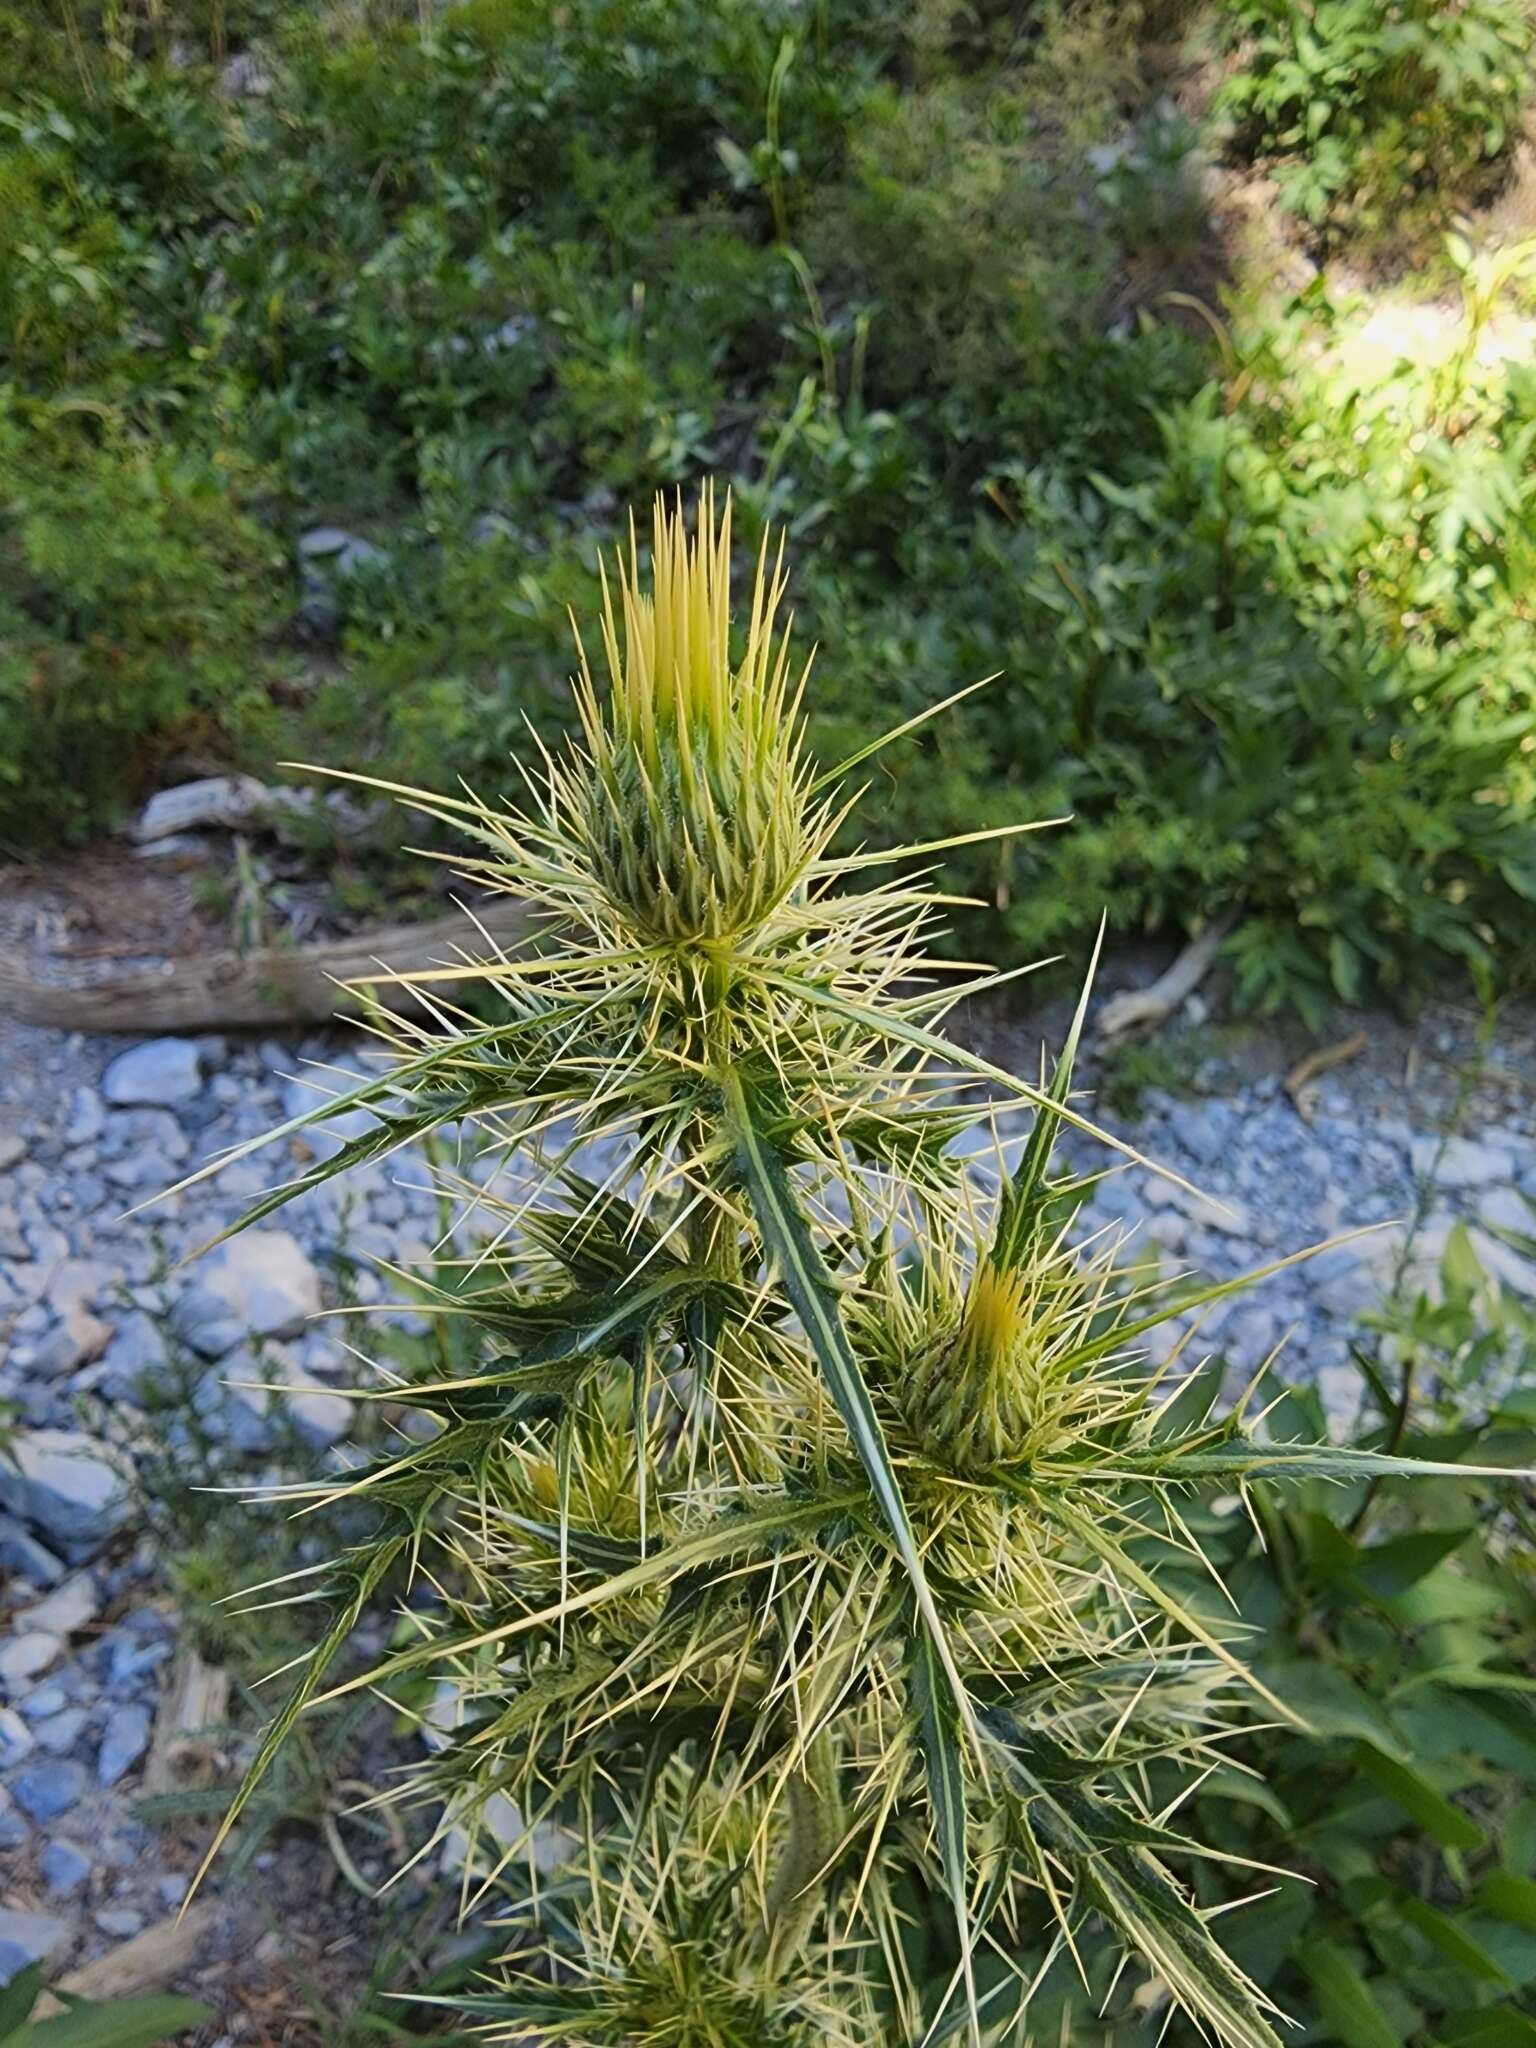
(59, 1733)
(162, 1071)
(1462, 1163)
(64, 1867)
(121, 1923)
(261, 1283)
(27, 1938)
(67, 1609)
(16, 1739)
(122, 1744)
(24, 1656)
(48, 1787)
(58, 1480)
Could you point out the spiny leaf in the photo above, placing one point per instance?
(729, 1536)
(1023, 1201)
(365, 1580)
(943, 1755)
(1102, 1845)
(793, 1251)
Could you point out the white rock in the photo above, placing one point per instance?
(16, 1739)
(25, 1656)
(77, 1339)
(321, 1416)
(162, 1071)
(70, 1607)
(58, 1480)
(12, 1149)
(1464, 1163)
(87, 1117)
(1508, 1209)
(1511, 1268)
(260, 1284)
(27, 1938)
(1229, 1216)
(137, 1350)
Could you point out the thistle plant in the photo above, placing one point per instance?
(802, 1556)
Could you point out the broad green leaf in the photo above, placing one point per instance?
(1345, 2002)
(1329, 1703)
(1488, 2029)
(1453, 1941)
(1509, 1896)
(1440, 1820)
(119, 2023)
(1389, 1569)
(17, 1999)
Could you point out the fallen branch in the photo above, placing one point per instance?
(1139, 1010)
(263, 989)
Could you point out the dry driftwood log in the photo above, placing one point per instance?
(1138, 1010)
(146, 1963)
(259, 990)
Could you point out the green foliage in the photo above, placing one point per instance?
(921, 285)
(1379, 109)
(132, 588)
(92, 2023)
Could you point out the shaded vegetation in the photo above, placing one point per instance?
(938, 286)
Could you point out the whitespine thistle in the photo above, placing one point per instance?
(798, 1548)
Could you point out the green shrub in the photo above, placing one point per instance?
(133, 591)
(1380, 109)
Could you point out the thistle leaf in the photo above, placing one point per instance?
(1106, 1851)
(790, 1246)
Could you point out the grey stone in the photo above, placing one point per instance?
(16, 1739)
(72, 1342)
(48, 1787)
(27, 1938)
(86, 1118)
(321, 1417)
(64, 1867)
(44, 1700)
(13, 1245)
(67, 1609)
(136, 1352)
(260, 1284)
(302, 1098)
(234, 1405)
(60, 1732)
(1508, 1209)
(1464, 1163)
(23, 1557)
(123, 1742)
(161, 1071)
(25, 1655)
(121, 1923)
(1228, 1216)
(343, 553)
(13, 1149)
(13, 1829)
(58, 1480)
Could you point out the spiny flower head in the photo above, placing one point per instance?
(694, 807)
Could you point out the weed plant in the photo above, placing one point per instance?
(804, 1551)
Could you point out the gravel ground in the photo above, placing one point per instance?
(93, 1308)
